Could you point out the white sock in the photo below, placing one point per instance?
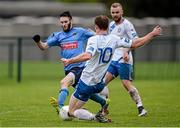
(135, 96)
(105, 92)
(84, 114)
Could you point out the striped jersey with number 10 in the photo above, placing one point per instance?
(102, 48)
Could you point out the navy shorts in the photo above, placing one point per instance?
(83, 92)
(124, 70)
(77, 72)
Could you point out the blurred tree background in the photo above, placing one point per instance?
(142, 8)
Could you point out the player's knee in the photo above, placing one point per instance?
(63, 84)
(127, 84)
(108, 78)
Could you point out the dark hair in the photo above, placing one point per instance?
(66, 14)
(102, 22)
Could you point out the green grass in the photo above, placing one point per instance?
(26, 104)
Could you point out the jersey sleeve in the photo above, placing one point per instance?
(124, 42)
(91, 46)
(88, 33)
(52, 40)
(131, 32)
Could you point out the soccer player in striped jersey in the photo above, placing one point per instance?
(122, 61)
(98, 55)
(71, 42)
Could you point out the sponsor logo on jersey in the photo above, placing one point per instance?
(134, 34)
(71, 45)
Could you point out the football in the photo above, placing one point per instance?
(63, 114)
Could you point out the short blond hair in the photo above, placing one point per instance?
(115, 5)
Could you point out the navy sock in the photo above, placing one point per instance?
(98, 99)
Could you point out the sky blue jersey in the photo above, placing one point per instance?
(71, 43)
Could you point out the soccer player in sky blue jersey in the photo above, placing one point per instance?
(122, 61)
(71, 41)
(99, 51)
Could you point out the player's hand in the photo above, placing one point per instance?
(157, 31)
(65, 61)
(126, 56)
(36, 38)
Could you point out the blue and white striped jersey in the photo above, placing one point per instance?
(124, 29)
(102, 48)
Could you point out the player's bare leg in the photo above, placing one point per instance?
(132, 91)
(65, 83)
(63, 93)
(73, 105)
(108, 78)
(75, 110)
(135, 96)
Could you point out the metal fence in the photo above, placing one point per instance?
(16, 42)
(18, 49)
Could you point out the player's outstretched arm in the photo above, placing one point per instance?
(40, 44)
(80, 58)
(146, 39)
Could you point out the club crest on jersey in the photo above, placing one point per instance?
(119, 30)
(126, 40)
(70, 45)
(74, 34)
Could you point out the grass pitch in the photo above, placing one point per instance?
(26, 104)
